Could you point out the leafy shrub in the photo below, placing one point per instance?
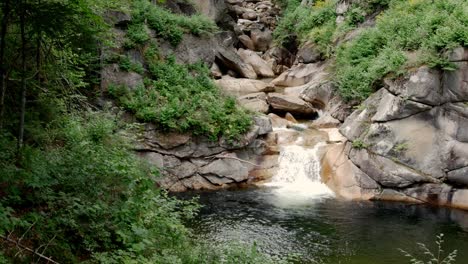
(127, 65)
(407, 26)
(182, 98)
(166, 25)
(425, 27)
(300, 21)
(89, 195)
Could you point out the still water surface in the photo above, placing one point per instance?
(323, 228)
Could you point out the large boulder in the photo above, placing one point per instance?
(300, 75)
(255, 102)
(308, 53)
(410, 137)
(323, 95)
(345, 178)
(231, 60)
(241, 86)
(259, 65)
(223, 171)
(290, 104)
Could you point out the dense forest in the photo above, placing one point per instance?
(72, 189)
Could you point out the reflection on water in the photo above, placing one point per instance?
(325, 228)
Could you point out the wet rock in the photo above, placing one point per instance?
(458, 176)
(290, 118)
(344, 178)
(224, 171)
(264, 124)
(198, 182)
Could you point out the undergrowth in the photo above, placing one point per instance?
(425, 29)
(166, 25)
(183, 98)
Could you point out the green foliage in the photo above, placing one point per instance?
(167, 25)
(89, 194)
(182, 98)
(424, 27)
(432, 257)
(137, 34)
(127, 65)
(299, 21)
(401, 147)
(359, 144)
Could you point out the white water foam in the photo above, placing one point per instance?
(299, 173)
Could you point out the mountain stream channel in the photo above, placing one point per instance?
(294, 216)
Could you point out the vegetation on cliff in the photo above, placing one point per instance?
(70, 187)
(406, 34)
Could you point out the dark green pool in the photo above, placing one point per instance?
(327, 230)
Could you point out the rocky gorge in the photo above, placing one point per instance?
(406, 142)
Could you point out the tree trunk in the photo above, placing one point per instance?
(23, 77)
(3, 68)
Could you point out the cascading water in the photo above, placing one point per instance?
(299, 173)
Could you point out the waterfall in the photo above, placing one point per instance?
(299, 172)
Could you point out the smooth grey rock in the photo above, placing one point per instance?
(394, 107)
(455, 83)
(423, 86)
(191, 49)
(459, 176)
(198, 182)
(227, 169)
(264, 124)
(153, 158)
(385, 171)
(184, 170)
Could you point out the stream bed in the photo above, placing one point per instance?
(323, 229)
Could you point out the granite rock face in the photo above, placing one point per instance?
(411, 138)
